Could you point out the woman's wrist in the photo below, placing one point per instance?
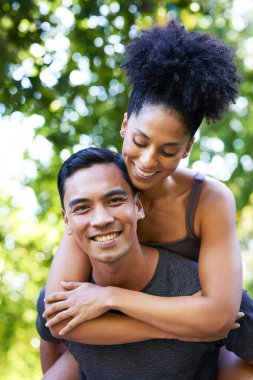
(113, 296)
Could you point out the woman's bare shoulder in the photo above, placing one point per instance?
(216, 202)
(183, 176)
(210, 184)
(214, 190)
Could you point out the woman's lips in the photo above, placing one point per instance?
(144, 174)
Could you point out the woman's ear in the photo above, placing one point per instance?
(66, 222)
(188, 147)
(139, 208)
(123, 125)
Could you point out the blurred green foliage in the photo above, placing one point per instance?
(61, 60)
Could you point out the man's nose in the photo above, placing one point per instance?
(101, 216)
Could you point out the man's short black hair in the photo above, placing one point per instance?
(190, 72)
(86, 158)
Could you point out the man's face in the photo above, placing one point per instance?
(101, 212)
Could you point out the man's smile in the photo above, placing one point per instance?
(105, 237)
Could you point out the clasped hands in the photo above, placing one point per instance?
(82, 301)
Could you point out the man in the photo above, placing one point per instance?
(101, 209)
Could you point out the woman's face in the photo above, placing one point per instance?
(154, 143)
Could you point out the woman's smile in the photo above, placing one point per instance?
(144, 174)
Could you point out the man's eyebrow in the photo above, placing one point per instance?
(111, 193)
(166, 144)
(75, 201)
(116, 192)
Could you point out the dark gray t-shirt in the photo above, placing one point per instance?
(160, 359)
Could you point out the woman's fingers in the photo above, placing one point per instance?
(70, 285)
(70, 326)
(240, 315)
(236, 325)
(55, 308)
(65, 314)
(57, 296)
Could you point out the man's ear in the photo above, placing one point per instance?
(139, 208)
(123, 125)
(66, 222)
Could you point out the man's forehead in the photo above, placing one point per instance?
(99, 179)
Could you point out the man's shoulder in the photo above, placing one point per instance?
(175, 274)
(40, 301)
(176, 258)
(43, 331)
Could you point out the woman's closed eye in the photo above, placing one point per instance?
(138, 143)
(167, 154)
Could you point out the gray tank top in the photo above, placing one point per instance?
(189, 246)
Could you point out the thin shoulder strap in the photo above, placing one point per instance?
(197, 182)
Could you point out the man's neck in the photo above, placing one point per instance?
(133, 271)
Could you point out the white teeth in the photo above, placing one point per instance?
(103, 238)
(144, 174)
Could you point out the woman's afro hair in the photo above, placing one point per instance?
(192, 69)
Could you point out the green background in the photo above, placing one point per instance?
(61, 60)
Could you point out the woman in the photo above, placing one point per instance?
(178, 78)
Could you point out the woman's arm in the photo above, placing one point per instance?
(113, 328)
(69, 263)
(220, 266)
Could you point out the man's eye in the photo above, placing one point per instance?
(81, 208)
(136, 142)
(116, 200)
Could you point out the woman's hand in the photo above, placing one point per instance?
(236, 324)
(82, 301)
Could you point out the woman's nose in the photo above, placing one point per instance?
(148, 159)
